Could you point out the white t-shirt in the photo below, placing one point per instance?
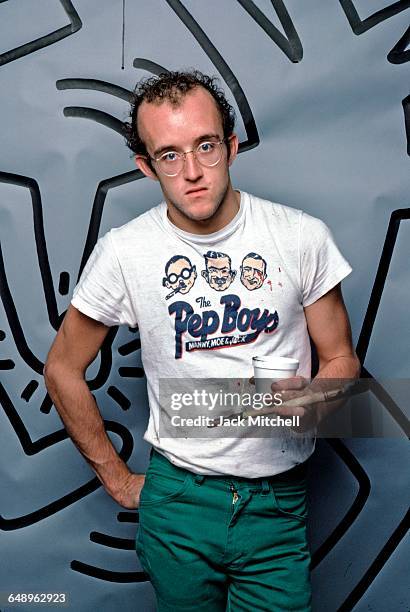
(240, 290)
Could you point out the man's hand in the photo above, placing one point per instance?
(128, 495)
(292, 389)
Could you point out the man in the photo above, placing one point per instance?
(253, 271)
(222, 521)
(218, 273)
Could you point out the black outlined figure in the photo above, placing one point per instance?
(400, 53)
(224, 70)
(218, 271)
(339, 447)
(253, 271)
(289, 44)
(180, 275)
(360, 26)
(362, 346)
(49, 39)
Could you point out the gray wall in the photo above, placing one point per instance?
(322, 99)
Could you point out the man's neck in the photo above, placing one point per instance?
(223, 216)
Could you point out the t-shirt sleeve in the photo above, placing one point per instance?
(101, 292)
(322, 266)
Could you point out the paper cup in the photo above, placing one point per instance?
(269, 369)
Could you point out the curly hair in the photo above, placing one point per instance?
(172, 87)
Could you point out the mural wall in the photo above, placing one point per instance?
(321, 91)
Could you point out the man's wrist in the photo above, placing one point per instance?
(112, 474)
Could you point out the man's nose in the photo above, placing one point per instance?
(192, 168)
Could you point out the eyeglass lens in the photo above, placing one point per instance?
(207, 154)
(185, 273)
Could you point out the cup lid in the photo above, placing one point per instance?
(273, 362)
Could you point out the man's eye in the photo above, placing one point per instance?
(206, 147)
(170, 156)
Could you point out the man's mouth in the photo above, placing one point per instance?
(196, 191)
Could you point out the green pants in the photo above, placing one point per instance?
(216, 543)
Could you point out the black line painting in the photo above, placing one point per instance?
(400, 54)
(356, 507)
(359, 26)
(382, 271)
(406, 109)
(43, 261)
(148, 65)
(95, 85)
(377, 565)
(49, 39)
(225, 71)
(31, 447)
(289, 44)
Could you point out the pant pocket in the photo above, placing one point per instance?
(160, 488)
(291, 501)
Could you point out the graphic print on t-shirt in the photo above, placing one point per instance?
(180, 275)
(243, 324)
(253, 271)
(218, 271)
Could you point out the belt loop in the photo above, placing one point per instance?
(265, 487)
(199, 479)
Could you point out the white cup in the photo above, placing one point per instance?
(271, 368)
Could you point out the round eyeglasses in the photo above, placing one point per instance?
(185, 274)
(207, 153)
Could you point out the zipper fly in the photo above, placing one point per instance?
(235, 495)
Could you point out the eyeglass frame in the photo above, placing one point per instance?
(179, 276)
(185, 153)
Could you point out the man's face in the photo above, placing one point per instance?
(218, 273)
(252, 273)
(197, 191)
(181, 275)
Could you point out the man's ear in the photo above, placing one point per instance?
(145, 167)
(233, 144)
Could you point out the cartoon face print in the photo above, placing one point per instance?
(180, 275)
(218, 273)
(253, 271)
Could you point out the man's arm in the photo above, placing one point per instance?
(74, 348)
(329, 328)
(328, 325)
